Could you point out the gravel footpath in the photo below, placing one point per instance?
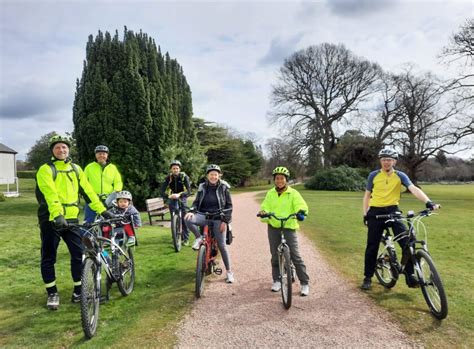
(247, 314)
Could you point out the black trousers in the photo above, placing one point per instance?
(50, 238)
(375, 232)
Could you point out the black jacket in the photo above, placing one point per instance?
(177, 184)
(223, 197)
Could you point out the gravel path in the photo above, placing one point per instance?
(247, 314)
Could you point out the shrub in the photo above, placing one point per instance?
(2, 197)
(26, 174)
(342, 178)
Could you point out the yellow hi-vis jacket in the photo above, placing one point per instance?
(104, 179)
(60, 196)
(290, 201)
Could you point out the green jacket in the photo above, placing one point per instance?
(104, 180)
(60, 196)
(290, 201)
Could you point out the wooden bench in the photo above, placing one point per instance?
(156, 207)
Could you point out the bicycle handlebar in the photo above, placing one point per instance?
(398, 215)
(272, 214)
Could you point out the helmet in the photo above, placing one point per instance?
(123, 195)
(213, 167)
(101, 148)
(388, 153)
(175, 163)
(58, 139)
(281, 170)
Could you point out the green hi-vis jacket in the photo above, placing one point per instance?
(104, 179)
(60, 196)
(290, 201)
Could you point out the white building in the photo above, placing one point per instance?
(8, 169)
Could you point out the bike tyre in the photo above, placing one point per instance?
(126, 269)
(436, 299)
(285, 277)
(385, 270)
(200, 271)
(176, 232)
(90, 297)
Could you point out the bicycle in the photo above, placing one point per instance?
(285, 266)
(207, 253)
(119, 267)
(388, 268)
(176, 224)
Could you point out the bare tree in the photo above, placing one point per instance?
(285, 152)
(431, 119)
(317, 88)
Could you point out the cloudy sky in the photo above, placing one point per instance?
(230, 50)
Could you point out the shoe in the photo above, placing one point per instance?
(53, 301)
(366, 284)
(276, 286)
(412, 282)
(304, 290)
(185, 243)
(230, 277)
(76, 298)
(131, 241)
(196, 243)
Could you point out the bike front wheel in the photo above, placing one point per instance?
(285, 276)
(431, 285)
(200, 271)
(176, 232)
(385, 269)
(125, 269)
(90, 297)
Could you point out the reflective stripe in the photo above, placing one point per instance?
(77, 283)
(51, 284)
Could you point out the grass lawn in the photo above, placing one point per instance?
(335, 225)
(163, 291)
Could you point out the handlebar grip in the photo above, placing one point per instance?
(384, 216)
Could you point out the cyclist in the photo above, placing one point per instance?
(177, 187)
(58, 184)
(212, 195)
(283, 200)
(382, 196)
(103, 176)
(124, 206)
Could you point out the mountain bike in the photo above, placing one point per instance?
(176, 212)
(388, 268)
(118, 263)
(207, 253)
(285, 266)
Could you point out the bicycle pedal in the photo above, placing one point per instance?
(217, 271)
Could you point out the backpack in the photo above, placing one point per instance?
(55, 170)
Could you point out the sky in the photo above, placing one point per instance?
(230, 51)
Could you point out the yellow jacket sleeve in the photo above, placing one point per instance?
(47, 186)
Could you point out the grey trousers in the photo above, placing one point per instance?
(200, 220)
(292, 241)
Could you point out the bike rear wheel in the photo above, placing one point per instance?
(90, 297)
(431, 285)
(176, 232)
(200, 271)
(125, 271)
(285, 276)
(385, 270)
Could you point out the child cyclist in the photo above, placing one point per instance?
(124, 206)
(283, 201)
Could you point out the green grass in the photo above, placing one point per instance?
(335, 225)
(148, 317)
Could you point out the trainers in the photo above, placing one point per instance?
(276, 286)
(304, 290)
(53, 301)
(196, 243)
(131, 241)
(185, 243)
(76, 298)
(230, 277)
(412, 282)
(366, 284)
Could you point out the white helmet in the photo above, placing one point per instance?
(124, 195)
(388, 153)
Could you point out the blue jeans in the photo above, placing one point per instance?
(173, 205)
(89, 214)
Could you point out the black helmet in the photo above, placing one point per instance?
(388, 153)
(175, 163)
(102, 149)
(213, 167)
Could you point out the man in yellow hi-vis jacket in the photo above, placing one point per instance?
(104, 178)
(58, 184)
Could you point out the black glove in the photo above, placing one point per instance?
(430, 204)
(108, 215)
(60, 222)
(300, 215)
(365, 219)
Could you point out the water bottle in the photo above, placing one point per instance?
(106, 256)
